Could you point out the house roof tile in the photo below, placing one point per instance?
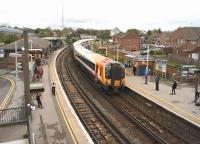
(191, 33)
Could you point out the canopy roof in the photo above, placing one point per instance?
(37, 43)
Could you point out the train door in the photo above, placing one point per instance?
(99, 73)
(96, 72)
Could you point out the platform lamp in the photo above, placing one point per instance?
(31, 44)
(16, 55)
(147, 66)
(26, 75)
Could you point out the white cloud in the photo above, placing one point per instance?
(141, 14)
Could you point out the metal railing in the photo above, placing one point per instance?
(12, 116)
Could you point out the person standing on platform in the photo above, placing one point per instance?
(157, 79)
(53, 88)
(149, 74)
(146, 75)
(134, 70)
(196, 96)
(39, 101)
(174, 85)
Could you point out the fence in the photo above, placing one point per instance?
(182, 59)
(12, 116)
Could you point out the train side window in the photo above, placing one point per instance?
(123, 72)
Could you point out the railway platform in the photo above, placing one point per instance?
(182, 103)
(45, 121)
(74, 129)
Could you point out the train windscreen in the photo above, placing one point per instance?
(115, 71)
(108, 71)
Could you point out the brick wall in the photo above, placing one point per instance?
(171, 69)
(130, 44)
(130, 41)
(184, 46)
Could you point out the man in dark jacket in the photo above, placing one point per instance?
(174, 85)
(39, 101)
(134, 69)
(157, 79)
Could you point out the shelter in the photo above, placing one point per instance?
(141, 62)
(37, 47)
(36, 87)
(55, 42)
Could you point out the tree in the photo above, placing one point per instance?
(133, 30)
(7, 38)
(159, 31)
(149, 32)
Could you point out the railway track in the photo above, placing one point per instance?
(99, 127)
(149, 126)
(125, 123)
(129, 129)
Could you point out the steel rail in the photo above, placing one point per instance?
(121, 138)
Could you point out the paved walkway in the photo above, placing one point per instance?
(75, 131)
(17, 131)
(45, 123)
(5, 86)
(182, 101)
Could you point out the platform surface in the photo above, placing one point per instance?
(181, 103)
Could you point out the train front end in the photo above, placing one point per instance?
(114, 75)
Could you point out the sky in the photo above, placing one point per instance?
(101, 14)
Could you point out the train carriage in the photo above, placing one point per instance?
(109, 73)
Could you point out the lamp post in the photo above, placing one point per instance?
(147, 65)
(16, 65)
(31, 44)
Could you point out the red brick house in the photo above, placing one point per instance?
(185, 39)
(129, 41)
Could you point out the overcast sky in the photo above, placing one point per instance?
(101, 14)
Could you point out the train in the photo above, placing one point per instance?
(107, 73)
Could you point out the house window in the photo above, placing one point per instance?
(193, 41)
(180, 41)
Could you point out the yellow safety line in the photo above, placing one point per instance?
(66, 121)
(7, 98)
(62, 112)
(164, 101)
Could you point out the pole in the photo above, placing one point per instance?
(148, 58)
(31, 50)
(92, 45)
(16, 71)
(27, 82)
(147, 66)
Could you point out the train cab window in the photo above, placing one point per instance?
(108, 71)
(122, 72)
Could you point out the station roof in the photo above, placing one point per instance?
(53, 38)
(36, 87)
(37, 43)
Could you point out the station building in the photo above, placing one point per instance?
(37, 48)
